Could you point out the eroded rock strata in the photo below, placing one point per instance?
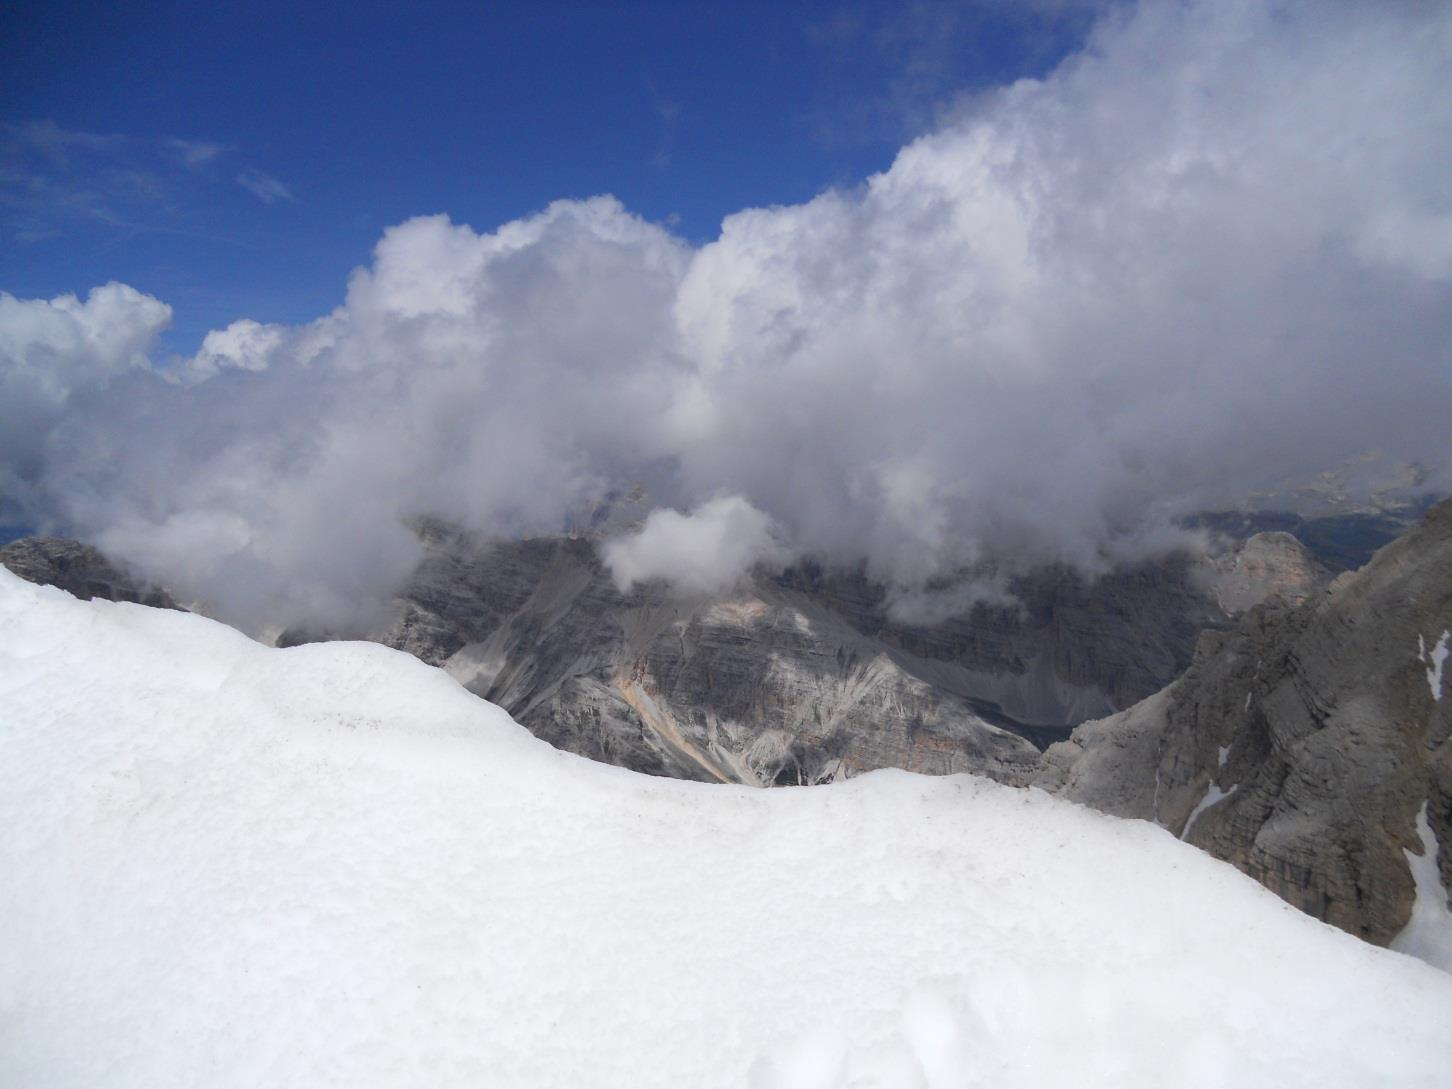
(807, 676)
(1301, 745)
(79, 569)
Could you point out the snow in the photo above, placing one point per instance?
(1213, 796)
(1428, 933)
(231, 865)
(1436, 661)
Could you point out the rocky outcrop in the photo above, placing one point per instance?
(1301, 745)
(78, 569)
(807, 676)
(764, 686)
(1068, 647)
(1269, 567)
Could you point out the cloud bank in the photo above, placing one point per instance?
(1211, 251)
(53, 355)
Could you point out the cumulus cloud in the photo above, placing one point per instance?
(1206, 254)
(703, 552)
(245, 344)
(496, 379)
(54, 353)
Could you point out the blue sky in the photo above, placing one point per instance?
(238, 160)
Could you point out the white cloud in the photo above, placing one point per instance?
(1203, 256)
(53, 352)
(245, 344)
(264, 187)
(496, 379)
(52, 349)
(703, 552)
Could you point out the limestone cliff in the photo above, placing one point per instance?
(806, 677)
(80, 570)
(1302, 745)
(763, 686)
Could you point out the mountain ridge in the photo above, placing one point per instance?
(1301, 745)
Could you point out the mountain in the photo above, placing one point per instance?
(78, 569)
(233, 865)
(800, 678)
(1309, 746)
(1342, 536)
(1304, 743)
(807, 677)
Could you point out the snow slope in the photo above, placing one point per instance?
(227, 865)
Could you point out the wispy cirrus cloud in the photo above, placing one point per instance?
(668, 113)
(49, 139)
(56, 181)
(195, 154)
(265, 187)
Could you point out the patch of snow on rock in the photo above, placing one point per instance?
(1436, 660)
(1428, 933)
(1213, 796)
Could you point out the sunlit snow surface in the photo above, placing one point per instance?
(226, 865)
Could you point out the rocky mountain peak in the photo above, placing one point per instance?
(1269, 566)
(1302, 745)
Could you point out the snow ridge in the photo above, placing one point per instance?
(230, 865)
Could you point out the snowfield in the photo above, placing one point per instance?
(228, 865)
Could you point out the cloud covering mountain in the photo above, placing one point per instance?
(1212, 249)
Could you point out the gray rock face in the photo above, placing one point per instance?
(804, 678)
(1072, 648)
(1301, 745)
(78, 569)
(762, 687)
(1269, 567)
